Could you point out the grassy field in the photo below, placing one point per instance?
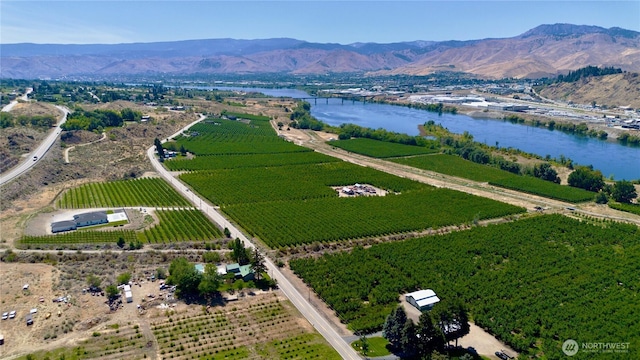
(380, 149)
(377, 346)
(456, 166)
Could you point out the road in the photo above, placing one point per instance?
(34, 157)
(24, 97)
(298, 300)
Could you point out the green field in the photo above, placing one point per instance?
(140, 192)
(77, 237)
(291, 182)
(214, 162)
(456, 166)
(227, 137)
(180, 225)
(291, 223)
(377, 346)
(631, 208)
(533, 283)
(380, 149)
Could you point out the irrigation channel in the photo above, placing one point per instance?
(610, 157)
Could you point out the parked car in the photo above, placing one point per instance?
(502, 355)
(5, 316)
(12, 314)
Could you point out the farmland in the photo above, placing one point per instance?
(292, 182)
(264, 327)
(180, 225)
(76, 237)
(527, 282)
(139, 192)
(338, 219)
(380, 149)
(214, 162)
(631, 208)
(227, 137)
(456, 166)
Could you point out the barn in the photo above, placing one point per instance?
(422, 299)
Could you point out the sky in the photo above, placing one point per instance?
(328, 21)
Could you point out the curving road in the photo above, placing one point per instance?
(34, 157)
(298, 300)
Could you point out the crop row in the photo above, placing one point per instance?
(456, 166)
(253, 118)
(292, 182)
(138, 192)
(631, 208)
(287, 223)
(380, 149)
(247, 160)
(527, 282)
(180, 225)
(79, 237)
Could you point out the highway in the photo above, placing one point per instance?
(34, 157)
(298, 300)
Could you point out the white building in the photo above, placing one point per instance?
(422, 299)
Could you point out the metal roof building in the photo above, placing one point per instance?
(422, 299)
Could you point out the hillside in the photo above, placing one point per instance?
(547, 50)
(610, 90)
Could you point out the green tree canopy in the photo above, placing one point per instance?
(586, 178)
(624, 191)
(185, 276)
(393, 327)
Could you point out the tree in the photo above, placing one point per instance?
(210, 282)
(239, 253)
(544, 171)
(257, 263)
(601, 197)
(120, 242)
(452, 319)
(364, 345)
(586, 178)
(159, 148)
(623, 191)
(112, 291)
(183, 150)
(429, 336)
(408, 340)
(123, 278)
(227, 232)
(185, 276)
(394, 325)
(94, 281)
(161, 273)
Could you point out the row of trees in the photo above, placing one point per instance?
(448, 321)
(9, 120)
(98, 119)
(589, 179)
(587, 71)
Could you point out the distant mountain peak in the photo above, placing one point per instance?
(564, 30)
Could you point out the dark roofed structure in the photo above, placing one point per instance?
(63, 226)
(92, 218)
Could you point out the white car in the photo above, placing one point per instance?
(5, 316)
(12, 314)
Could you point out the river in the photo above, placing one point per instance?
(611, 158)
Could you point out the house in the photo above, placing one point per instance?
(422, 299)
(92, 218)
(61, 226)
(244, 272)
(129, 296)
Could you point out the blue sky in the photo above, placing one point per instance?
(91, 22)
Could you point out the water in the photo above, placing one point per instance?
(292, 93)
(611, 158)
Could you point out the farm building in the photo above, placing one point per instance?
(92, 218)
(128, 296)
(60, 226)
(244, 272)
(422, 299)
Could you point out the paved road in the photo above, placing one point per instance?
(298, 300)
(24, 97)
(33, 158)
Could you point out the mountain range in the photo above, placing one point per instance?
(546, 50)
